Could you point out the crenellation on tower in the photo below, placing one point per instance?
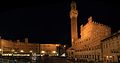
(74, 11)
(73, 5)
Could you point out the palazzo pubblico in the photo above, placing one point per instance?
(96, 42)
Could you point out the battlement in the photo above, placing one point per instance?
(92, 29)
(91, 22)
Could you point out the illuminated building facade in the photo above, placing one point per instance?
(50, 49)
(111, 48)
(16, 47)
(53, 49)
(89, 46)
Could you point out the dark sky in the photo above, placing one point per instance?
(49, 22)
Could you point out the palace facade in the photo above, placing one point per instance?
(9, 47)
(94, 35)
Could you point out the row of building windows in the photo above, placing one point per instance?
(70, 53)
(88, 49)
(115, 51)
(111, 44)
(88, 56)
(88, 40)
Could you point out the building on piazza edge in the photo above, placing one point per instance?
(91, 46)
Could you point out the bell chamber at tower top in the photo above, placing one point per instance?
(74, 11)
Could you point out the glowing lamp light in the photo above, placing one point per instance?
(63, 55)
(41, 55)
(13, 50)
(42, 51)
(110, 56)
(21, 51)
(57, 45)
(30, 50)
(72, 40)
(64, 45)
(107, 57)
(0, 49)
(54, 52)
(57, 54)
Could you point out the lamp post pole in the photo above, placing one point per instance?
(12, 54)
(1, 48)
(58, 49)
(0, 53)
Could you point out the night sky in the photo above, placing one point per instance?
(49, 22)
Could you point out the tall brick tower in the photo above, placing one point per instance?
(73, 17)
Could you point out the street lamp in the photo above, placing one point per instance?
(58, 49)
(21, 51)
(54, 52)
(64, 46)
(13, 50)
(57, 45)
(0, 52)
(31, 51)
(42, 51)
(12, 54)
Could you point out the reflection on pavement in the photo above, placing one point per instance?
(42, 60)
